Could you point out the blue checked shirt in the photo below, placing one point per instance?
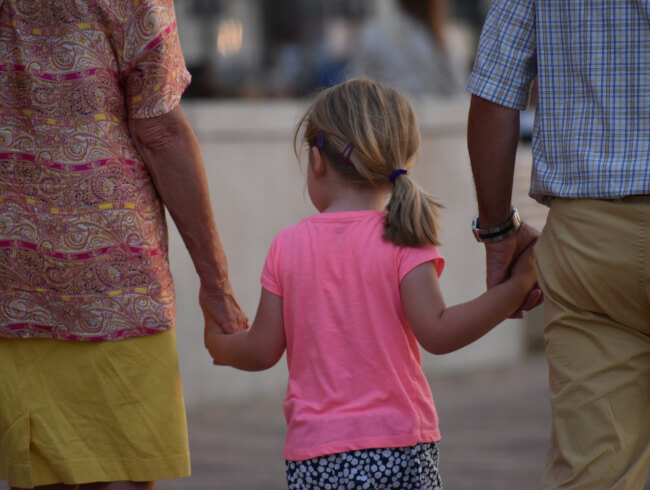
(592, 58)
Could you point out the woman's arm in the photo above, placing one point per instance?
(440, 329)
(256, 349)
(170, 151)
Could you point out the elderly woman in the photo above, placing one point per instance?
(93, 147)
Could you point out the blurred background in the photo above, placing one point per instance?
(288, 48)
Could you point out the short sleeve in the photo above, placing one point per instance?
(270, 273)
(152, 66)
(506, 62)
(409, 258)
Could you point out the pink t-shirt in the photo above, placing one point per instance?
(355, 380)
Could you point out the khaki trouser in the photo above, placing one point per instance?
(593, 263)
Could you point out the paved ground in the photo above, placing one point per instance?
(494, 426)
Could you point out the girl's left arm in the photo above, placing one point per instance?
(257, 348)
(441, 329)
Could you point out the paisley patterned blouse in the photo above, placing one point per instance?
(83, 239)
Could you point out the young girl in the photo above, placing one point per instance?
(350, 293)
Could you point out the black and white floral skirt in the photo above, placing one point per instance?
(403, 468)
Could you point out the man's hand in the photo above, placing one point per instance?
(501, 255)
(221, 310)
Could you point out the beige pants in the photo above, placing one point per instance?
(593, 262)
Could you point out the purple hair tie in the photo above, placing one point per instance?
(320, 139)
(346, 153)
(396, 173)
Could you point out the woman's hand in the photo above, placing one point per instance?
(221, 311)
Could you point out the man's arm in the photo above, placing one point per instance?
(492, 139)
(171, 153)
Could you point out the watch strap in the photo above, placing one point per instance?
(497, 233)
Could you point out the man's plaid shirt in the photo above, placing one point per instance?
(592, 59)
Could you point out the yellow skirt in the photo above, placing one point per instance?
(82, 412)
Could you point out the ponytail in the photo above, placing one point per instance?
(413, 215)
(370, 133)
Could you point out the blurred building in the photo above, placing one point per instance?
(289, 48)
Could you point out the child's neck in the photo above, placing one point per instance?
(357, 199)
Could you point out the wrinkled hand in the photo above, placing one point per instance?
(500, 257)
(221, 311)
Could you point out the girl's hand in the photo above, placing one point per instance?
(523, 269)
(213, 340)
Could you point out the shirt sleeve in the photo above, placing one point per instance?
(506, 62)
(270, 273)
(410, 258)
(152, 67)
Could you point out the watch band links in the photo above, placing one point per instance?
(497, 233)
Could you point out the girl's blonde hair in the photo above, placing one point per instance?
(367, 131)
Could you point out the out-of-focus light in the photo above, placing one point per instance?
(229, 37)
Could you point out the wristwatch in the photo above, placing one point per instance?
(497, 233)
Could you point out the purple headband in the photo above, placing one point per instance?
(345, 154)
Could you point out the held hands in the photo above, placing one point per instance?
(222, 315)
(254, 349)
(213, 341)
(523, 269)
(221, 311)
(517, 250)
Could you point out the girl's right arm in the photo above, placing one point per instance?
(440, 329)
(257, 348)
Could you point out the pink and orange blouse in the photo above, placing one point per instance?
(83, 239)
